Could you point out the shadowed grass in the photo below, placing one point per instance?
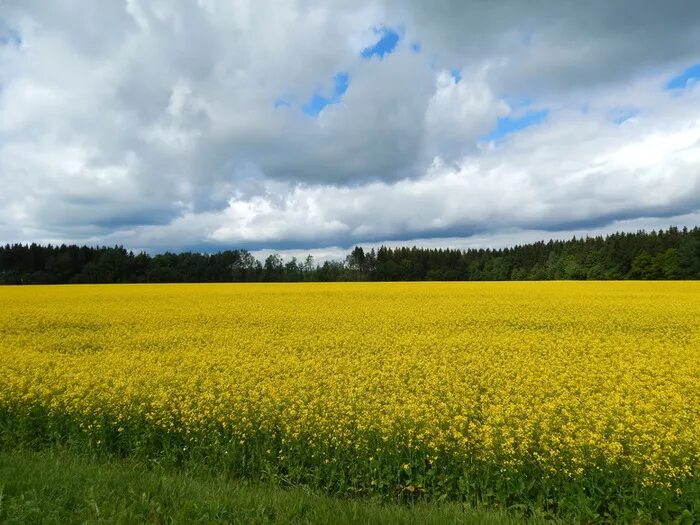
(57, 486)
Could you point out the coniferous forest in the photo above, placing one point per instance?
(669, 254)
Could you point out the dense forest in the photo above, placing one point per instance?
(670, 254)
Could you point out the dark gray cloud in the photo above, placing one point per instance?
(544, 47)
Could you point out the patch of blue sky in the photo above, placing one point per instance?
(282, 102)
(516, 103)
(318, 101)
(416, 47)
(621, 115)
(8, 36)
(686, 78)
(508, 125)
(385, 45)
(456, 75)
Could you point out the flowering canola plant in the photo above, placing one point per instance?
(489, 391)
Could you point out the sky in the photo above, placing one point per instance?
(296, 126)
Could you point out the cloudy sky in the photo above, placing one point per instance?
(298, 126)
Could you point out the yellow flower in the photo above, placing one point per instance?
(562, 378)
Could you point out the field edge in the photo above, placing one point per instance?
(57, 485)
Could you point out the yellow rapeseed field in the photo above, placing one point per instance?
(493, 389)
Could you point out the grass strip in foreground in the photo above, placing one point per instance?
(57, 486)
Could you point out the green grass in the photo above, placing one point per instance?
(58, 486)
(51, 471)
(189, 485)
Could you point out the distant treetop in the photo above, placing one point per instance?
(669, 254)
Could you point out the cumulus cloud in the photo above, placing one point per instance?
(172, 125)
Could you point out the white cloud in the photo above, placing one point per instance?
(459, 112)
(161, 131)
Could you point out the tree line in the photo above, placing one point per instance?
(666, 254)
